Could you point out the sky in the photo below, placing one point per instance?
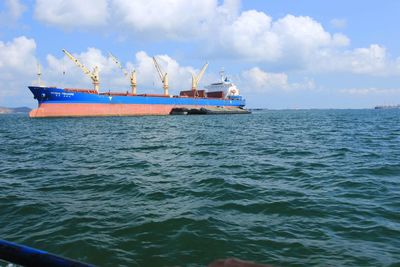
(280, 54)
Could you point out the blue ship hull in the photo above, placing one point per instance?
(58, 102)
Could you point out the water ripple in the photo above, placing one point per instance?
(290, 188)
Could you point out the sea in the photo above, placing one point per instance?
(279, 187)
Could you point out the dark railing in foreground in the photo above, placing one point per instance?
(30, 257)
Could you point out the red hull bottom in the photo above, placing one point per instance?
(98, 110)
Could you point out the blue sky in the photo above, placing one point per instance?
(280, 54)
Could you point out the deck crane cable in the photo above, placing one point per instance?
(118, 64)
(131, 77)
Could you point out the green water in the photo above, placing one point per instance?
(289, 188)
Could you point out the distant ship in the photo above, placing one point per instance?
(388, 107)
(221, 98)
(4, 110)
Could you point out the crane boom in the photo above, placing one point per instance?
(76, 61)
(196, 79)
(201, 73)
(158, 68)
(94, 75)
(163, 76)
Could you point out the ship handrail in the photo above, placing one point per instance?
(28, 256)
(118, 94)
(154, 95)
(77, 90)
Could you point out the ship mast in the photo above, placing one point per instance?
(39, 74)
(94, 75)
(132, 76)
(196, 79)
(163, 76)
(222, 74)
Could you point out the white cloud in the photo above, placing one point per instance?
(303, 31)
(173, 19)
(368, 61)
(339, 39)
(300, 43)
(72, 13)
(14, 10)
(370, 91)
(17, 55)
(222, 31)
(338, 23)
(291, 40)
(250, 36)
(259, 80)
(177, 19)
(17, 66)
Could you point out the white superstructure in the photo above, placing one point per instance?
(225, 85)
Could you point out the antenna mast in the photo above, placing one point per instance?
(39, 74)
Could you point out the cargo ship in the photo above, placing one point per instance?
(220, 98)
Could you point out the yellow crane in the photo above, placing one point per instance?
(196, 79)
(131, 77)
(163, 76)
(94, 75)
